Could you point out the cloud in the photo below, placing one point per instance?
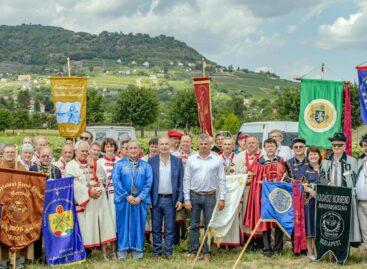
(292, 29)
(345, 32)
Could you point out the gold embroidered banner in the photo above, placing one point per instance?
(22, 194)
(203, 100)
(69, 95)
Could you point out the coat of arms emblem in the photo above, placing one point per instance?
(61, 222)
(320, 115)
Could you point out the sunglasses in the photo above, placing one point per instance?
(84, 138)
(338, 145)
(298, 147)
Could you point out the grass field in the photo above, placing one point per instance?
(224, 259)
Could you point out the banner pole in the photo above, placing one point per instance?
(246, 245)
(14, 260)
(69, 69)
(205, 235)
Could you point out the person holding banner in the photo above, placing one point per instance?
(311, 178)
(204, 176)
(132, 180)
(233, 238)
(361, 190)
(45, 166)
(94, 216)
(341, 171)
(299, 162)
(270, 167)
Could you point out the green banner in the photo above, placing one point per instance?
(333, 218)
(321, 111)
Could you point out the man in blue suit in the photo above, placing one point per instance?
(166, 195)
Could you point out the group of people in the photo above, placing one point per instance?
(123, 196)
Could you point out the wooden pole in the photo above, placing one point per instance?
(203, 65)
(14, 260)
(246, 245)
(203, 241)
(69, 68)
(16, 158)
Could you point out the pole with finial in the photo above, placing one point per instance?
(203, 63)
(69, 68)
(322, 70)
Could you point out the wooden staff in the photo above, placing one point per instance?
(69, 69)
(14, 260)
(16, 158)
(247, 243)
(202, 242)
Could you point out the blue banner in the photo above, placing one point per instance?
(362, 81)
(277, 205)
(61, 233)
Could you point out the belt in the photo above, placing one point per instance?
(363, 201)
(203, 193)
(165, 195)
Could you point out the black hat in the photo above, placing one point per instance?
(363, 139)
(338, 137)
(298, 140)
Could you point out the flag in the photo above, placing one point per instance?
(362, 81)
(69, 95)
(277, 205)
(61, 233)
(221, 221)
(203, 100)
(22, 194)
(347, 122)
(320, 111)
(333, 218)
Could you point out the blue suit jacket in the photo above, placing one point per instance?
(176, 179)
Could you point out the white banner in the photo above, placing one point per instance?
(222, 221)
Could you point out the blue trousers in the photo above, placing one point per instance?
(164, 210)
(205, 203)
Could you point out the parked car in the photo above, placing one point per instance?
(262, 128)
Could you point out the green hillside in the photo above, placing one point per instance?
(42, 45)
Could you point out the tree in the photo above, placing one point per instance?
(288, 104)
(21, 119)
(356, 110)
(5, 119)
(183, 111)
(136, 106)
(238, 107)
(232, 123)
(23, 99)
(95, 111)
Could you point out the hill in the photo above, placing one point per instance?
(45, 45)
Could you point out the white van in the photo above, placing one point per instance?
(261, 129)
(115, 132)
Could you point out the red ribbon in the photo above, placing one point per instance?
(347, 126)
(299, 220)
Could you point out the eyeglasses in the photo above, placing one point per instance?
(338, 145)
(298, 147)
(84, 138)
(45, 156)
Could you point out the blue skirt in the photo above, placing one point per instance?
(310, 218)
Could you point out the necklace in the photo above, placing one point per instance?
(134, 170)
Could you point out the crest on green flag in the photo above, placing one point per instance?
(320, 110)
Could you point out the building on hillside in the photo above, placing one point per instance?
(191, 65)
(133, 63)
(146, 64)
(26, 85)
(3, 80)
(246, 102)
(24, 77)
(277, 87)
(179, 64)
(171, 63)
(118, 61)
(42, 108)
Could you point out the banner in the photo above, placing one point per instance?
(320, 111)
(69, 95)
(362, 81)
(347, 121)
(22, 194)
(277, 205)
(203, 100)
(222, 221)
(61, 233)
(333, 218)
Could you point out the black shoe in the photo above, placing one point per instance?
(267, 254)
(278, 252)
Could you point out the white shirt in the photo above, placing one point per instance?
(285, 152)
(204, 174)
(164, 183)
(361, 186)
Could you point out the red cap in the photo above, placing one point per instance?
(173, 133)
(242, 136)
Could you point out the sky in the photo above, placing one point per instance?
(287, 37)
